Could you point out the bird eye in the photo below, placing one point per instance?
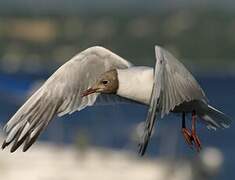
(105, 82)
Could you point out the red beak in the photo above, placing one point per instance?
(88, 92)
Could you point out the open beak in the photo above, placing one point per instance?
(89, 91)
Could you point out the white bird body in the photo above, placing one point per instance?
(136, 83)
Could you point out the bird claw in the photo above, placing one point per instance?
(187, 136)
(192, 138)
(196, 141)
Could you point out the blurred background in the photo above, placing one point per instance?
(36, 37)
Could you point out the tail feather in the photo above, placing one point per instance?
(215, 118)
(29, 121)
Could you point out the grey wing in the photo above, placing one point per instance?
(178, 84)
(154, 104)
(173, 85)
(60, 95)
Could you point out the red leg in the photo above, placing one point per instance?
(194, 136)
(186, 132)
(187, 136)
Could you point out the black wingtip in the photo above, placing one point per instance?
(18, 143)
(28, 144)
(143, 148)
(144, 144)
(12, 150)
(14, 147)
(4, 144)
(30, 140)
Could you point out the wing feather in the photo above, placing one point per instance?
(60, 95)
(179, 85)
(176, 86)
(155, 100)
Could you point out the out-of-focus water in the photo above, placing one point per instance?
(113, 126)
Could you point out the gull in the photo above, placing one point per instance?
(96, 76)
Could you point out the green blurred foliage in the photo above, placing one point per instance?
(203, 37)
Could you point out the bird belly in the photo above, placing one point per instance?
(188, 107)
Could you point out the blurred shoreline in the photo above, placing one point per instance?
(46, 161)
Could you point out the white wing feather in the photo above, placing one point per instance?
(178, 85)
(60, 95)
(173, 85)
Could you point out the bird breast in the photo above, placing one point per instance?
(136, 83)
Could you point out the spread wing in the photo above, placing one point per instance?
(178, 84)
(173, 85)
(60, 95)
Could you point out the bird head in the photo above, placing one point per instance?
(106, 83)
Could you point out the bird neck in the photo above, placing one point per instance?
(136, 83)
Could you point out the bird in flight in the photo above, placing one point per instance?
(97, 76)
